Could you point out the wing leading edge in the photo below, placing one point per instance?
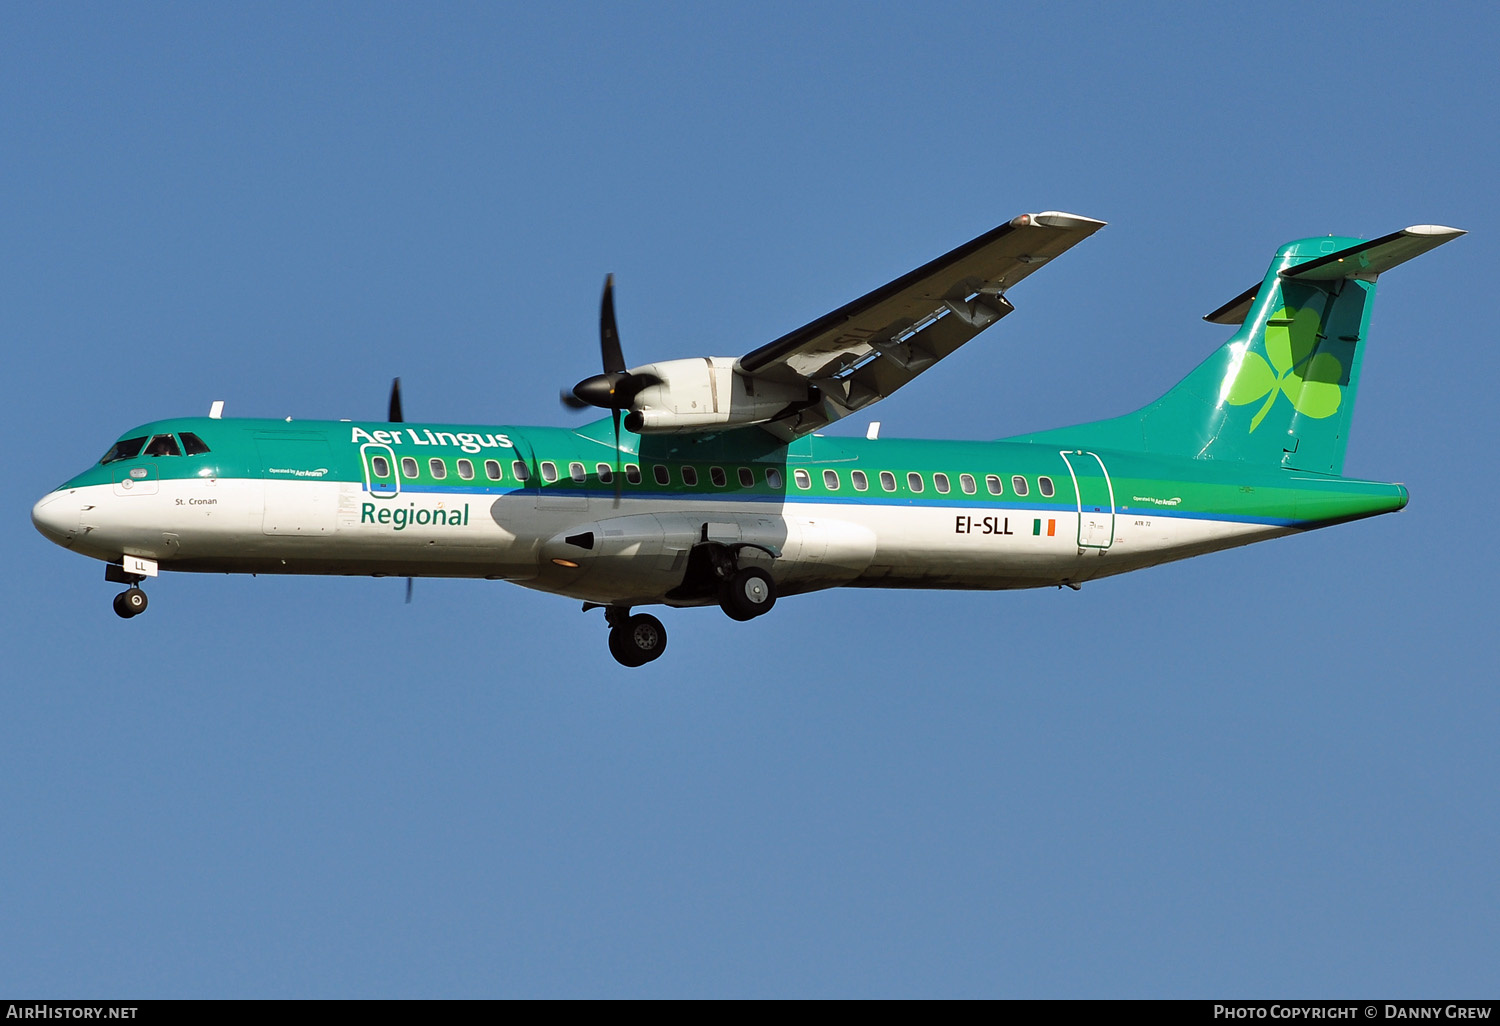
(865, 350)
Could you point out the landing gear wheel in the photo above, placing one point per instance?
(131, 602)
(638, 640)
(748, 594)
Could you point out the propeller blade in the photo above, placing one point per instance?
(395, 409)
(615, 415)
(408, 590)
(616, 388)
(609, 334)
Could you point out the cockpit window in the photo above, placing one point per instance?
(163, 445)
(192, 445)
(124, 449)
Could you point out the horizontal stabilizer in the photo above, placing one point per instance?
(1376, 256)
(1365, 261)
(1237, 309)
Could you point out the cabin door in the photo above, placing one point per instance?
(381, 479)
(1096, 499)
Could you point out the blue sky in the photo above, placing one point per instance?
(1268, 772)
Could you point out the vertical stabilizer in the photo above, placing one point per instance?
(1281, 390)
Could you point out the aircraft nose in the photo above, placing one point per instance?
(57, 516)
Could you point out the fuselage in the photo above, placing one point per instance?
(564, 511)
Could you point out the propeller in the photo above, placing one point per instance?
(395, 410)
(393, 415)
(615, 389)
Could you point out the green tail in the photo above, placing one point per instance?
(1281, 390)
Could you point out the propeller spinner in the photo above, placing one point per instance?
(616, 388)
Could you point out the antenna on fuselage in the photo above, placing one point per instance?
(216, 410)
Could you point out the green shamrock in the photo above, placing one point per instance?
(1310, 379)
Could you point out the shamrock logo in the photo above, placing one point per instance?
(1308, 378)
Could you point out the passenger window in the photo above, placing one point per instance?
(747, 478)
(606, 472)
(966, 482)
(409, 467)
(438, 467)
(690, 476)
(888, 480)
(941, 482)
(831, 480)
(802, 478)
(773, 478)
(577, 473)
(1018, 485)
(992, 482)
(858, 479)
(914, 482)
(466, 469)
(380, 466)
(633, 473)
(521, 470)
(716, 475)
(660, 473)
(549, 471)
(1045, 484)
(163, 445)
(492, 469)
(124, 449)
(192, 445)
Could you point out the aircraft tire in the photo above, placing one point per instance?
(748, 594)
(618, 646)
(131, 602)
(638, 640)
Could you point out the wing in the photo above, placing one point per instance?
(865, 350)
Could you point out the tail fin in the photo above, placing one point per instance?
(1281, 390)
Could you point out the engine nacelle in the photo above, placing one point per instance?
(707, 393)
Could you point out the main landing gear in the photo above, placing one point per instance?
(747, 593)
(714, 571)
(634, 640)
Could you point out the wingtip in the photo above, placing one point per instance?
(1058, 219)
(1435, 230)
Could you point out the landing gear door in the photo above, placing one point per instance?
(1096, 499)
(381, 479)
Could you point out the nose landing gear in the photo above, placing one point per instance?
(131, 602)
(634, 640)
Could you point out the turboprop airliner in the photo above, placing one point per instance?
(709, 483)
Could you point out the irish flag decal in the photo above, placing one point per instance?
(1036, 527)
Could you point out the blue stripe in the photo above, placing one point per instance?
(951, 500)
